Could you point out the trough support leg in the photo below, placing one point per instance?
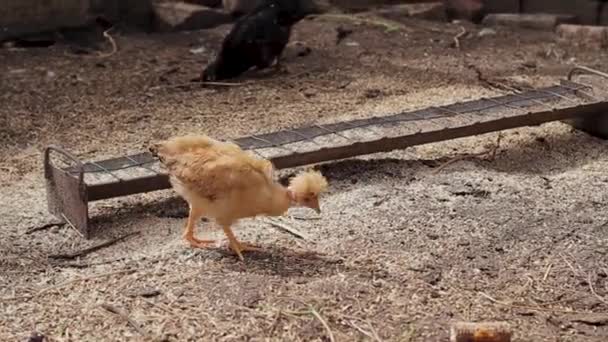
(596, 125)
(66, 193)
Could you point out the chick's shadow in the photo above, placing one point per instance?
(276, 261)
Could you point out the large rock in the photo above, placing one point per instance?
(539, 21)
(175, 16)
(428, 11)
(19, 17)
(584, 35)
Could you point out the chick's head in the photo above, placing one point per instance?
(306, 188)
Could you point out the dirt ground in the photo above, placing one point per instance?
(399, 252)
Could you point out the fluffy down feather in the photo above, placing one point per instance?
(223, 182)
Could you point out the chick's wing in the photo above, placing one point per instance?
(212, 175)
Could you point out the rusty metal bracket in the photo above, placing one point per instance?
(67, 193)
(596, 125)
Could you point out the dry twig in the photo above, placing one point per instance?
(600, 298)
(491, 152)
(64, 284)
(361, 330)
(289, 230)
(526, 307)
(92, 249)
(191, 84)
(86, 264)
(44, 227)
(124, 316)
(463, 31)
(71, 225)
(305, 218)
(106, 35)
(547, 271)
(389, 25)
(318, 316)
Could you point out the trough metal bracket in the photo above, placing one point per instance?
(66, 193)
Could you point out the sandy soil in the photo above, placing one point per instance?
(398, 253)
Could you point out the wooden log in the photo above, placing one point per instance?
(480, 332)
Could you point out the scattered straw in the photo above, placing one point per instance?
(289, 230)
(330, 334)
(124, 316)
(92, 249)
(600, 298)
(43, 227)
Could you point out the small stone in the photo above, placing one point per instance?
(530, 64)
(197, 50)
(35, 337)
(486, 31)
(372, 93)
(143, 292)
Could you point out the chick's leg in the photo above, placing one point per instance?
(194, 216)
(237, 246)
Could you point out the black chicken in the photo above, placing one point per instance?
(257, 39)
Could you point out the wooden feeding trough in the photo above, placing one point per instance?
(71, 188)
